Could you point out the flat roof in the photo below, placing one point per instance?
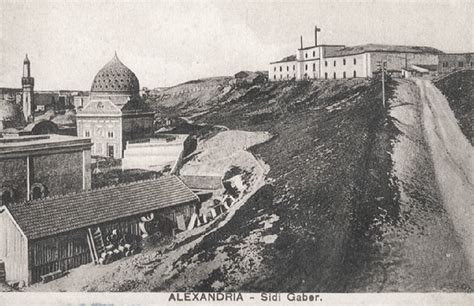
(55, 215)
(324, 45)
(24, 144)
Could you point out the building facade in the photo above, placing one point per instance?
(115, 112)
(33, 167)
(342, 62)
(455, 61)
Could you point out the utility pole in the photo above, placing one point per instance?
(382, 66)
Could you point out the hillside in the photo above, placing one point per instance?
(333, 206)
(329, 163)
(459, 90)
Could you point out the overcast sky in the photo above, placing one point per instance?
(166, 42)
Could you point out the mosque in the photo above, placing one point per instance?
(115, 112)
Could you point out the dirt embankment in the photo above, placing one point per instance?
(458, 88)
(453, 158)
(420, 251)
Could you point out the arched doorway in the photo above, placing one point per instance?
(6, 196)
(38, 191)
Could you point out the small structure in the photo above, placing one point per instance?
(155, 154)
(44, 238)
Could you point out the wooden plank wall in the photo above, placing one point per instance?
(13, 250)
(63, 252)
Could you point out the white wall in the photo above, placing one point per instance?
(282, 71)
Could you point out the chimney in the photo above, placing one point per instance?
(301, 40)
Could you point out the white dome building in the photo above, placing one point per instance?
(115, 113)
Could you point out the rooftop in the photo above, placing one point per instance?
(24, 144)
(324, 45)
(51, 216)
(290, 58)
(381, 48)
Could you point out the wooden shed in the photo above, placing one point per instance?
(56, 234)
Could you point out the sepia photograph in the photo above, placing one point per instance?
(245, 152)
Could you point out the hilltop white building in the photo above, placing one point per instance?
(340, 62)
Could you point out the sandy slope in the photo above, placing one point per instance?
(453, 158)
(421, 252)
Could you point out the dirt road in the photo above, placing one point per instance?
(453, 159)
(421, 251)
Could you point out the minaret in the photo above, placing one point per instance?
(28, 83)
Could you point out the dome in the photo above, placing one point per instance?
(115, 78)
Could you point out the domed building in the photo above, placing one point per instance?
(115, 113)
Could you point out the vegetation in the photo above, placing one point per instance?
(459, 90)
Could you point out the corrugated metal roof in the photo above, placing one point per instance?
(51, 216)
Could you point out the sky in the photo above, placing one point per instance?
(169, 42)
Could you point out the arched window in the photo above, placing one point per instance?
(6, 196)
(38, 191)
(355, 74)
(344, 74)
(334, 75)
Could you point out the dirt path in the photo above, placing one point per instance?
(453, 158)
(421, 252)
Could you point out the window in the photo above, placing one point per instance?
(110, 134)
(460, 64)
(355, 74)
(314, 53)
(87, 134)
(275, 77)
(280, 68)
(306, 55)
(325, 63)
(6, 196)
(445, 64)
(326, 75)
(110, 151)
(293, 67)
(287, 76)
(334, 63)
(344, 61)
(281, 76)
(334, 76)
(274, 68)
(355, 61)
(344, 74)
(287, 68)
(38, 191)
(306, 67)
(314, 66)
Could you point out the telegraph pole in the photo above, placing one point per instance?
(382, 65)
